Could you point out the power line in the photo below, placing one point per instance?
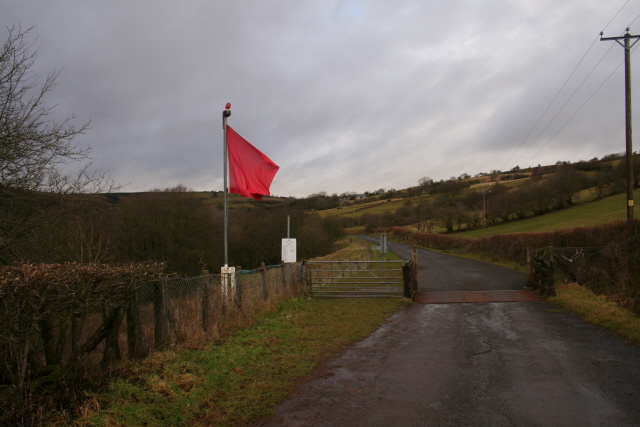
(560, 90)
(574, 114)
(579, 109)
(565, 104)
(614, 16)
(550, 104)
(633, 21)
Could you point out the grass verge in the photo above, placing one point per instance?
(597, 309)
(239, 380)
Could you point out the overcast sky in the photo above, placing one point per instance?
(346, 96)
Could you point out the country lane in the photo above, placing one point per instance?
(480, 364)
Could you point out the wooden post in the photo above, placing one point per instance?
(239, 285)
(206, 298)
(547, 281)
(414, 279)
(113, 319)
(265, 289)
(529, 267)
(75, 335)
(46, 333)
(284, 276)
(306, 273)
(406, 278)
(160, 313)
(551, 285)
(134, 342)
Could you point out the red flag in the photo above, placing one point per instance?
(250, 171)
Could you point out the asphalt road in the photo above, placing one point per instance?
(441, 272)
(488, 364)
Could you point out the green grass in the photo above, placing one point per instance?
(377, 207)
(597, 309)
(240, 380)
(587, 214)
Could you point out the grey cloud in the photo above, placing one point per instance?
(343, 95)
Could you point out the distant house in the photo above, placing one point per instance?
(360, 196)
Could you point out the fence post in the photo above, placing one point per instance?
(206, 303)
(75, 335)
(239, 285)
(550, 282)
(529, 267)
(160, 314)
(112, 321)
(414, 278)
(306, 272)
(265, 290)
(284, 276)
(407, 273)
(134, 343)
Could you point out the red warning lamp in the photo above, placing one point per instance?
(228, 106)
(227, 110)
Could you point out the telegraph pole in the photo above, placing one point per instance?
(627, 45)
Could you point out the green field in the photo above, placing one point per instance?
(235, 201)
(593, 213)
(377, 207)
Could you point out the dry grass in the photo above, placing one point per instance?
(599, 310)
(58, 394)
(239, 379)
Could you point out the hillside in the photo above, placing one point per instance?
(497, 199)
(597, 212)
(464, 204)
(209, 198)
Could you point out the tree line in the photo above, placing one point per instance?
(549, 188)
(171, 225)
(48, 215)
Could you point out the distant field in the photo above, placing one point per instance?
(377, 207)
(382, 206)
(235, 201)
(593, 213)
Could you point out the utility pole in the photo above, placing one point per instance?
(627, 45)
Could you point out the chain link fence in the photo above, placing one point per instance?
(197, 309)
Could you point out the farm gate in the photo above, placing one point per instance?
(356, 278)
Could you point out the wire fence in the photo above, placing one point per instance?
(191, 310)
(77, 319)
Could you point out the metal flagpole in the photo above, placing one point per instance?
(226, 113)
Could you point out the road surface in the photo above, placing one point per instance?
(488, 364)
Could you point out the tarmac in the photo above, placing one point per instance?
(518, 363)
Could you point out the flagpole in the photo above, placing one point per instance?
(226, 113)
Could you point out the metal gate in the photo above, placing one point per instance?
(355, 278)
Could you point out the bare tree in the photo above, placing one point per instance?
(425, 182)
(33, 151)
